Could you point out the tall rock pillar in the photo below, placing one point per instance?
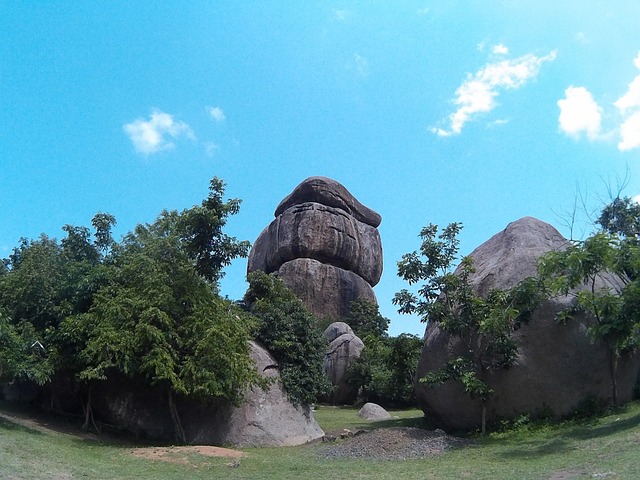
(325, 246)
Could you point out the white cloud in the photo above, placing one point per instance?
(579, 113)
(423, 11)
(216, 113)
(631, 99)
(582, 38)
(341, 14)
(478, 92)
(500, 49)
(629, 107)
(630, 132)
(362, 65)
(210, 148)
(154, 135)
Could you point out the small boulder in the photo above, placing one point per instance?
(336, 329)
(373, 412)
(343, 351)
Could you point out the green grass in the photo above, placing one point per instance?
(608, 447)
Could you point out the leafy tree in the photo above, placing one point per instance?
(365, 319)
(21, 357)
(621, 217)
(484, 325)
(614, 304)
(385, 371)
(146, 308)
(203, 239)
(291, 333)
(160, 318)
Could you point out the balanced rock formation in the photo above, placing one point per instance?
(325, 246)
(344, 349)
(266, 418)
(558, 366)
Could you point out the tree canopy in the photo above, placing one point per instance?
(147, 307)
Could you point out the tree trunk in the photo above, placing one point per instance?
(175, 418)
(484, 417)
(88, 414)
(613, 370)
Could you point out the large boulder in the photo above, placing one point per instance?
(345, 348)
(265, 418)
(331, 193)
(558, 366)
(325, 290)
(325, 246)
(327, 234)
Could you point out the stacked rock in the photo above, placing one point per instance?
(325, 246)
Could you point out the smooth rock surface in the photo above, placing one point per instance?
(327, 234)
(558, 366)
(331, 193)
(336, 329)
(343, 351)
(374, 412)
(326, 290)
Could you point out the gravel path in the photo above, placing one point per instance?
(397, 443)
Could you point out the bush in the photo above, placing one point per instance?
(292, 335)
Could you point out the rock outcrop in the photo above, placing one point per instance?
(558, 366)
(265, 418)
(325, 246)
(344, 349)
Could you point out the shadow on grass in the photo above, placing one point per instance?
(537, 448)
(563, 437)
(587, 432)
(416, 422)
(16, 427)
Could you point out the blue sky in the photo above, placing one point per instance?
(427, 111)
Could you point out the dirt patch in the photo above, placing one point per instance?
(181, 455)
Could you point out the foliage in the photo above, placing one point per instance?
(601, 274)
(385, 371)
(365, 319)
(203, 239)
(146, 307)
(291, 333)
(484, 325)
(621, 217)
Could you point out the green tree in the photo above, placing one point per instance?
(146, 308)
(365, 319)
(160, 319)
(621, 217)
(203, 239)
(581, 271)
(292, 335)
(483, 325)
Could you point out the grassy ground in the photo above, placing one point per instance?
(608, 447)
